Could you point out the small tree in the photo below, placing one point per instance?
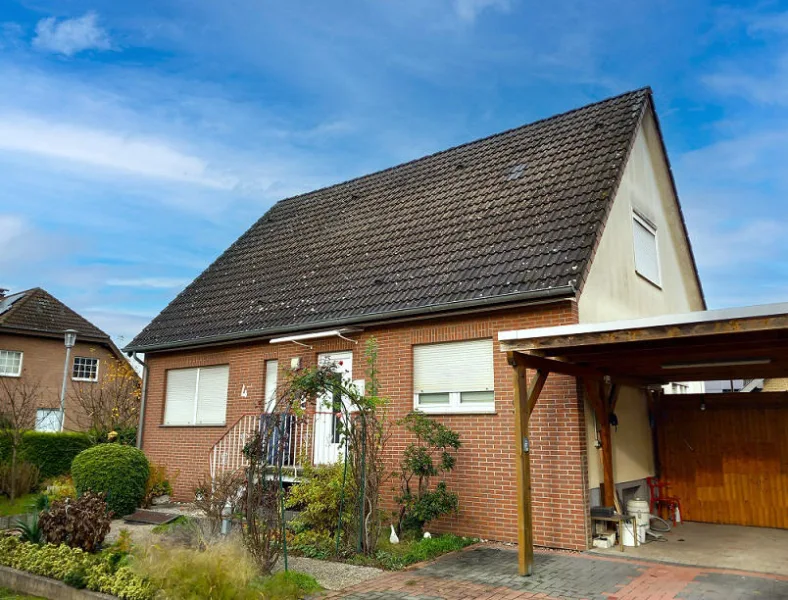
(433, 453)
(112, 403)
(19, 398)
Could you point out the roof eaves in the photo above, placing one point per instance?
(674, 189)
(566, 291)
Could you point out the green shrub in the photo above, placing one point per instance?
(120, 472)
(432, 454)
(318, 495)
(123, 435)
(101, 572)
(396, 557)
(313, 544)
(52, 453)
(287, 585)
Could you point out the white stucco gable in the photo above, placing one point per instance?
(613, 289)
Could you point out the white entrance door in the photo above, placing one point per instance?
(327, 446)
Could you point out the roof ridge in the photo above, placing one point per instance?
(646, 89)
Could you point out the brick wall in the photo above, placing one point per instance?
(485, 473)
(42, 363)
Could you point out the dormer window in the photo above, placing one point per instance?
(646, 249)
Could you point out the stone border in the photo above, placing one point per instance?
(36, 585)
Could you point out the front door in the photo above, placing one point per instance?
(327, 442)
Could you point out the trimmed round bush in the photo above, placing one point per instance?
(118, 471)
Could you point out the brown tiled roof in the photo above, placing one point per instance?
(515, 214)
(39, 312)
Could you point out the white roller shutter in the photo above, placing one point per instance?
(646, 257)
(179, 405)
(271, 379)
(212, 395)
(453, 367)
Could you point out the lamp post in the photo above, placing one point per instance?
(70, 339)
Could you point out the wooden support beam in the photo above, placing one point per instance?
(535, 389)
(522, 415)
(554, 365)
(595, 399)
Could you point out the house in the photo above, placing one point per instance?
(571, 219)
(33, 353)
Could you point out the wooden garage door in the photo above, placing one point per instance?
(728, 463)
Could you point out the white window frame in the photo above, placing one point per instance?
(21, 360)
(195, 405)
(455, 404)
(652, 229)
(54, 414)
(74, 365)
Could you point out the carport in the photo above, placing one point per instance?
(727, 454)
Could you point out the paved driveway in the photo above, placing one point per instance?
(490, 573)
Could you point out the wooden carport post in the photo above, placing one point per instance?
(525, 398)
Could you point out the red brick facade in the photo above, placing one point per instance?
(485, 473)
(42, 364)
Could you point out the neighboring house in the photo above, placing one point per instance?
(33, 352)
(570, 219)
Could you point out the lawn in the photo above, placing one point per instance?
(21, 505)
(6, 594)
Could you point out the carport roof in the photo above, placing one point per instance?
(738, 343)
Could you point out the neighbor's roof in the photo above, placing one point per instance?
(38, 312)
(511, 216)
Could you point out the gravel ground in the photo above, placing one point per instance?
(332, 575)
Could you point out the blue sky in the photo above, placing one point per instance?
(139, 139)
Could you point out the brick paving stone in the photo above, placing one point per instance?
(722, 586)
(490, 573)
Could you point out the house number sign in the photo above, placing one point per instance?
(526, 444)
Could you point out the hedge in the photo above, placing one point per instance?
(120, 472)
(52, 453)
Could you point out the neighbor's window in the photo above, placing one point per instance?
(197, 396)
(85, 369)
(47, 419)
(646, 256)
(454, 377)
(10, 363)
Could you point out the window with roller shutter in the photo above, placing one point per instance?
(197, 396)
(455, 377)
(646, 249)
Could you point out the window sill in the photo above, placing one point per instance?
(17, 376)
(81, 380)
(647, 280)
(192, 426)
(453, 410)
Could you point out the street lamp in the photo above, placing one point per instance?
(70, 339)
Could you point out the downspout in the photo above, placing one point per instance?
(141, 424)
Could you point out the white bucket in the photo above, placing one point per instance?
(639, 509)
(627, 533)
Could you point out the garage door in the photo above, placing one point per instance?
(729, 462)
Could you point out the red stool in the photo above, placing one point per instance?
(660, 499)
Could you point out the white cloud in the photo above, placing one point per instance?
(468, 10)
(71, 36)
(149, 282)
(139, 156)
